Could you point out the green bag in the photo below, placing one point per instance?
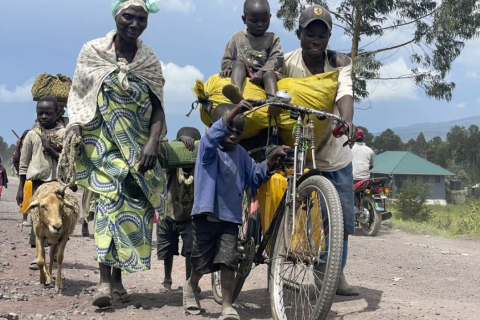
(174, 154)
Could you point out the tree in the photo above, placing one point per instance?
(367, 136)
(6, 153)
(438, 30)
(388, 141)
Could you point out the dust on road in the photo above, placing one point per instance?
(400, 276)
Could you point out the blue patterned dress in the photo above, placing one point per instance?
(108, 166)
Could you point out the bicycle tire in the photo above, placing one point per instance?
(282, 257)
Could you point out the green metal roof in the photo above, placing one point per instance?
(402, 162)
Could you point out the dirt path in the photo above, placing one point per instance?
(400, 276)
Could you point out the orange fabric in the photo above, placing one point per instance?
(27, 196)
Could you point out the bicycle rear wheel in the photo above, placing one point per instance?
(307, 253)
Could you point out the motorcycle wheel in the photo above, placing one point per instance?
(372, 228)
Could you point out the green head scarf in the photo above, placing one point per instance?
(149, 5)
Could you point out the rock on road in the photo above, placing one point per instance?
(400, 276)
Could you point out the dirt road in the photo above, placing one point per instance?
(400, 276)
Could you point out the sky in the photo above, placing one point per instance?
(189, 36)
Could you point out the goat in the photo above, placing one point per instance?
(55, 211)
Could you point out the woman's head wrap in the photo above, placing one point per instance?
(150, 6)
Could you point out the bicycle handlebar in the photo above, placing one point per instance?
(340, 130)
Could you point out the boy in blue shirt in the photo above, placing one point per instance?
(222, 170)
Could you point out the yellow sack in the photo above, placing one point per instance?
(27, 196)
(316, 92)
(49, 85)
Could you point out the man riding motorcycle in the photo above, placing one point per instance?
(363, 158)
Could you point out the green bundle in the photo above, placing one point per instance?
(175, 155)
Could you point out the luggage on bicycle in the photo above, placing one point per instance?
(174, 154)
(317, 92)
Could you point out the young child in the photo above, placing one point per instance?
(178, 223)
(40, 152)
(255, 52)
(3, 177)
(221, 172)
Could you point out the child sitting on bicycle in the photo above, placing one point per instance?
(254, 52)
(223, 168)
(178, 223)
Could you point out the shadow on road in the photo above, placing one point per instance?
(371, 296)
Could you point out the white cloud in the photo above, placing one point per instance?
(21, 93)
(184, 6)
(470, 53)
(178, 86)
(471, 74)
(404, 89)
(460, 105)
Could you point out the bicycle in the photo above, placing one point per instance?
(305, 236)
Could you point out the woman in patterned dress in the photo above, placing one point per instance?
(116, 106)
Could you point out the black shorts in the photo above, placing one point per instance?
(214, 243)
(168, 232)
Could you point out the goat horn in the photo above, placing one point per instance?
(61, 192)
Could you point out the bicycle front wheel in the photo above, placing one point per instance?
(307, 253)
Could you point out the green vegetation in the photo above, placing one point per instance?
(447, 221)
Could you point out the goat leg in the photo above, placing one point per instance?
(61, 250)
(53, 248)
(41, 260)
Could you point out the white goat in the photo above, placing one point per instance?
(55, 212)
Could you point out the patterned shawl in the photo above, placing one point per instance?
(96, 61)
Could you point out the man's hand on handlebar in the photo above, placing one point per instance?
(352, 134)
(280, 152)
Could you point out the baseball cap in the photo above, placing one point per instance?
(315, 13)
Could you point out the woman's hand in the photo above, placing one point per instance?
(148, 156)
(76, 129)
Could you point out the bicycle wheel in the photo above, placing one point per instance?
(307, 253)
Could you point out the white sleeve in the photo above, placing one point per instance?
(345, 83)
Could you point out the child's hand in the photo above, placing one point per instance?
(226, 73)
(257, 78)
(20, 196)
(280, 152)
(241, 107)
(188, 142)
(45, 142)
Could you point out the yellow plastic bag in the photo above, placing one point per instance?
(27, 196)
(316, 92)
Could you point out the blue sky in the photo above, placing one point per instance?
(189, 37)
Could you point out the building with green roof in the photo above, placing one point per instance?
(402, 167)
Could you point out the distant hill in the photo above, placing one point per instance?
(430, 130)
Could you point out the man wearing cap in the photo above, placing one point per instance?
(363, 159)
(335, 161)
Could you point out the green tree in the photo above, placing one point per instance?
(368, 137)
(433, 149)
(438, 30)
(387, 141)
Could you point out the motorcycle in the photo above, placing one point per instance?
(370, 211)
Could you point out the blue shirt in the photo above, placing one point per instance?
(220, 176)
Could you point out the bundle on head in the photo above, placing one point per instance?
(55, 211)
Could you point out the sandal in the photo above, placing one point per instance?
(167, 285)
(191, 304)
(34, 265)
(233, 93)
(229, 314)
(122, 296)
(102, 299)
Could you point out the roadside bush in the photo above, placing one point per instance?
(411, 202)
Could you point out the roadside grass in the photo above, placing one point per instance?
(445, 221)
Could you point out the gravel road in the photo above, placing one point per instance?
(400, 276)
